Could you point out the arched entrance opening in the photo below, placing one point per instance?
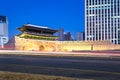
(41, 48)
(53, 48)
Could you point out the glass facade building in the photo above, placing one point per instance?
(102, 20)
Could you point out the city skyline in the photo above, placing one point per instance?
(66, 14)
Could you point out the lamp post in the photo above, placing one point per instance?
(91, 47)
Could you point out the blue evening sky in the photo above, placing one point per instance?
(66, 14)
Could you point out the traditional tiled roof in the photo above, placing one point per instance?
(36, 28)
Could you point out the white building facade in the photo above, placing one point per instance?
(102, 20)
(3, 30)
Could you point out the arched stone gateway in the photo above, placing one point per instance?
(41, 48)
(38, 45)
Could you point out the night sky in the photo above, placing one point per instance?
(66, 14)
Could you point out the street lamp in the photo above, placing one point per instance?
(91, 47)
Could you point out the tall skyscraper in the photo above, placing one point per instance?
(3, 30)
(102, 20)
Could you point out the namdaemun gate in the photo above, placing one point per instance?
(39, 38)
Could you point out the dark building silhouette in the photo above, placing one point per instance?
(67, 36)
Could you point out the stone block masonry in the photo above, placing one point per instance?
(52, 46)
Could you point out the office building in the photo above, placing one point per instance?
(67, 36)
(3, 30)
(61, 34)
(80, 36)
(102, 20)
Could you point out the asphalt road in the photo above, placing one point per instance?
(52, 65)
